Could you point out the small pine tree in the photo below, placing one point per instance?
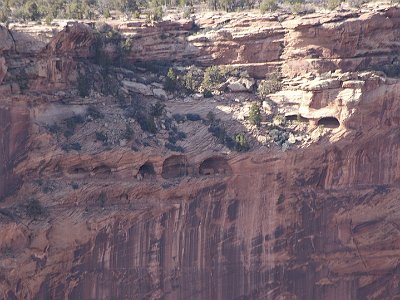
(170, 80)
(255, 115)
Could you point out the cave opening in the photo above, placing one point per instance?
(147, 170)
(329, 122)
(215, 166)
(175, 166)
(296, 117)
(102, 171)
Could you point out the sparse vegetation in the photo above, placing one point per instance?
(34, 208)
(193, 117)
(241, 143)
(84, 86)
(212, 78)
(268, 5)
(128, 134)
(71, 146)
(170, 80)
(156, 110)
(271, 84)
(101, 137)
(333, 4)
(94, 113)
(255, 115)
(173, 147)
(102, 199)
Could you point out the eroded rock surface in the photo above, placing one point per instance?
(126, 217)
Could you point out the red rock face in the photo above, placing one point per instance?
(320, 222)
(14, 132)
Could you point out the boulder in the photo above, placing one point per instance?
(160, 94)
(137, 87)
(240, 85)
(3, 69)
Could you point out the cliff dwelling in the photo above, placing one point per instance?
(174, 167)
(215, 166)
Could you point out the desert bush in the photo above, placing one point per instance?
(176, 136)
(333, 4)
(157, 109)
(179, 118)
(72, 146)
(73, 121)
(84, 86)
(34, 208)
(212, 78)
(279, 120)
(193, 117)
(101, 137)
(173, 147)
(128, 133)
(241, 144)
(391, 70)
(189, 83)
(268, 5)
(279, 136)
(255, 115)
(5, 12)
(170, 80)
(94, 113)
(211, 118)
(270, 85)
(102, 199)
(146, 122)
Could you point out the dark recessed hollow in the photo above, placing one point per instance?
(329, 122)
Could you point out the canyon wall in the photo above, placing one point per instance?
(316, 222)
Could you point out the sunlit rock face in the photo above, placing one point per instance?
(126, 219)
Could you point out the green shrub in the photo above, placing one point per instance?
(156, 110)
(333, 4)
(170, 81)
(73, 121)
(128, 134)
(268, 5)
(84, 86)
(179, 118)
(94, 113)
(241, 143)
(107, 13)
(34, 208)
(213, 77)
(102, 199)
(211, 118)
(189, 83)
(100, 136)
(255, 115)
(5, 12)
(270, 85)
(173, 147)
(193, 117)
(146, 122)
(71, 146)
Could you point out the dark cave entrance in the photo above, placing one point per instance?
(147, 171)
(298, 118)
(329, 122)
(175, 166)
(215, 166)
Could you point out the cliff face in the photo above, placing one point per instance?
(319, 221)
(349, 41)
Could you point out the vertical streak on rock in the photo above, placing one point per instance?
(14, 123)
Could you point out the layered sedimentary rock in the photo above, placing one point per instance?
(320, 222)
